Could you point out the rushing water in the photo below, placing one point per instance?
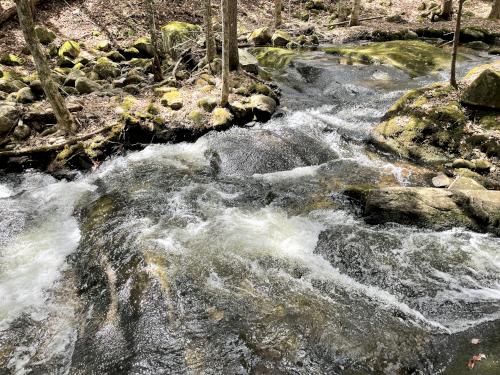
(238, 255)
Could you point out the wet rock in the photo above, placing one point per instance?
(260, 37)
(484, 91)
(263, 107)
(21, 132)
(435, 208)
(281, 38)
(221, 117)
(172, 99)
(105, 68)
(9, 116)
(25, 96)
(242, 112)
(248, 62)
(478, 45)
(69, 49)
(45, 36)
(85, 85)
(207, 103)
(466, 183)
(441, 181)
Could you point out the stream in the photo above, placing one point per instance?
(238, 253)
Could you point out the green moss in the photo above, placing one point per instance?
(128, 103)
(152, 109)
(69, 49)
(11, 60)
(175, 33)
(196, 117)
(273, 57)
(172, 99)
(414, 57)
(490, 121)
(221, 117)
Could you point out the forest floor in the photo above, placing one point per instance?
(91, 22)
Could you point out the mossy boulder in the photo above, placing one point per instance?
(115, 56)
(175, 34)
(105, 68)
(281, 38)
(221, 117)
(260, 37)
(103, 46)
(130, 53)
(273, 57)
(144, 46)
(484, 91)
(69, 49)
(172, 100)
(45, 35)
(207, 103)
(414, 57)
(11, 60)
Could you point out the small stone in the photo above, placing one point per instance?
(37, 88)
(263, 107)
(72, 77)
(130, 53)
(441, 181)
(281, 38)
(260, 37)
(86, 86)
(144, 46)
(462, 163)
(21, 131)
(25, 96)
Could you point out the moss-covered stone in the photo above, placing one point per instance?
(484, 91)
(260, 37)
(105, 68)
(221, 117)
(144, 46)
(207, 103)
(414, 57)
(11, 60)
(281, 38)
(196, 117)
(172, 99)
(45, 35)
(174, 34)
(104, 46)
(273, 57)
(69, 49)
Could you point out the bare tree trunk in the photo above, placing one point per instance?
(356, 6)
(64, 119)
(209, 32)
(456, 40)
(225, 51)
(495, 10)
(157, 73)
(277, 14)
(234, 58)
(447, 10)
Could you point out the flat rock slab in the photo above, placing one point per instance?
(439, 209)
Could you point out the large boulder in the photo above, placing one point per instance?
(176, 34)
(435, 208)
(263, 107)
(260, 37)
(9, 116)
(69, 49)
(484, 91)
(105, 68)
(248, 62)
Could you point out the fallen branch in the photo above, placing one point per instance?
(361, 19)
(46, 148)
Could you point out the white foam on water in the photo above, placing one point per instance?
(5, 191)
(33, 259)
(295, 173)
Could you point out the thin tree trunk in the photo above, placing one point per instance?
(447, 10)
(209, 32)
(495, 10)
(225, 51)
(456, 40)
(356, 5)
(64, 119)
(234, 59)
(157, 73)
(277, 14)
